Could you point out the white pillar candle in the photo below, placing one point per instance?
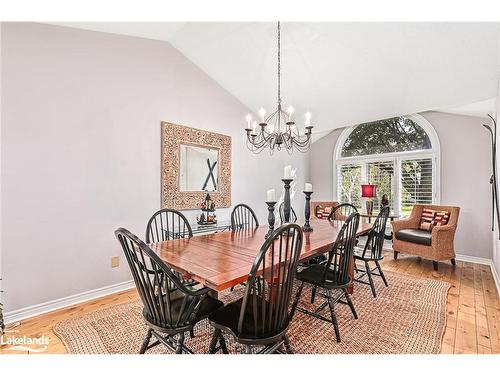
(271, 195)
(308, 187)
(288, 172)
(262, 113)
(248, 119)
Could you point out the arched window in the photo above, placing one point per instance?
(400, 155)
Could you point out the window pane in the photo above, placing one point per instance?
(416, 184)
(382, 175)
(349, 184)
(396, 134)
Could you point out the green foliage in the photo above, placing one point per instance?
(395, 134)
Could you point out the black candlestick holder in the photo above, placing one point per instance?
(307, 227)
(270, 218)
(286, 200)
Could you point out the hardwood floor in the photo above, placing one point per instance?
(473, 324)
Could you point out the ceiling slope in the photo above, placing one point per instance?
(344, 73)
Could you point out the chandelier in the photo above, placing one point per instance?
(278, 130)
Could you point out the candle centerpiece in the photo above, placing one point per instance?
(308, 190)
(287, 179)
(271, 201)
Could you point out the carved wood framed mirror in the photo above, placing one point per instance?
(194, 162)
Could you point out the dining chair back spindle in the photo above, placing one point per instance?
(342, 211)
(333, 275)
(372, 251)
(171, 307)
(243, 217)
(167, 224)
(262, 315)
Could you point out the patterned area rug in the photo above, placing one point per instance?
(407, 317)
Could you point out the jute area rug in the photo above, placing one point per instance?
(407, 317)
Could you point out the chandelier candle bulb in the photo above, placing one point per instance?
(248, 118)
(308, 118)
(271, 195)
(290, 111)
(288, 172)
(262, 113)
(308, 187)
(254, 126)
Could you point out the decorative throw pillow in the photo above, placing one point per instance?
(320, 212)
(441, 218)
(426, 220)
(328, 211)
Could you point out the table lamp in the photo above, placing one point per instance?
(368, 191)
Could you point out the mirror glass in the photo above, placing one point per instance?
(199, 168)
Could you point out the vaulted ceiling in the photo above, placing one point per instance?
(344, 73)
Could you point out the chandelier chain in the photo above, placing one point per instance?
(279, 64)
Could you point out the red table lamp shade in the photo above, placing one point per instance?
(368, 190)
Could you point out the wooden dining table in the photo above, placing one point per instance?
(222, 260)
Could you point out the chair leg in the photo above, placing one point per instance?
(288, 347)
(370, 279)
(232, 288)
(381, 273)
(334, 316)
(213, 341)
(145, 343)
(191, 333)
(435, 265)
(453, 261)
(351, 305)
(223, 346)
(396, 254)
(313, 294)
(180, 343)
(296, 301)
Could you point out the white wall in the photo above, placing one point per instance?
(465, 173)
(80, 151)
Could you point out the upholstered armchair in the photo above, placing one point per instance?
(436, 245)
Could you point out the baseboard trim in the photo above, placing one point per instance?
(42, 308)
(496, 276)
(470, 259)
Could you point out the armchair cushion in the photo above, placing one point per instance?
(440, 218)
(427, 219)
(418, 236)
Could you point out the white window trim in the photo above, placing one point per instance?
(434, 153)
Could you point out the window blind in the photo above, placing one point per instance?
(382, 174)
(349, 184)
(416, 183)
